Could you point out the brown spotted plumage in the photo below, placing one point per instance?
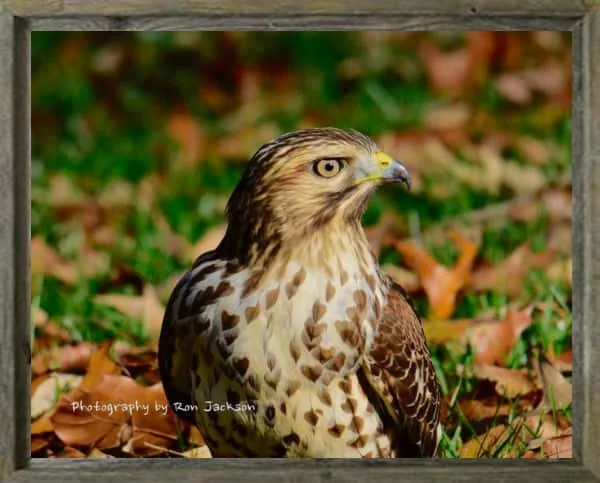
(288, 339)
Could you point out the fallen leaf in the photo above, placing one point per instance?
(549, 79)
(99, 365)
(42, 425)
(515, 88)
(407, 279)
(46, 261)
(483, 445)
(165, 289)
(510, 273)
(558, 391)
(561, 271)
(207, 242)
(146, 308)
(195, 436)
(46, 394)
(447, 117)
(441, 284)
(39, 443)
(493, 341)
(510, 383)
(200, 452)
(563, 362)
(560, 446)
(183, 127)
(455, 71)
(172, 243)
(114, 412)
(157, 427)
(534, 150)
(141, 363)
(39, 317)
(68, 452)
(96, 453)
(63, 359)
(476, 410)
(509, 441)
(440, 332)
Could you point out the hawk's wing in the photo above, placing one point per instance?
(175, 346)
(399, 378)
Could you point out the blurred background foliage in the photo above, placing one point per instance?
(138, 138)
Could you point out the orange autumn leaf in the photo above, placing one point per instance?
(440, 332)
(42, 425)
(114, 412)
(441, 283)
(492, 341)
(512, 271)
(99, 365)
(183, 128)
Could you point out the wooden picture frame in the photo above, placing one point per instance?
(19, 17)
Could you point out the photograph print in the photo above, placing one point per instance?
(301, 244)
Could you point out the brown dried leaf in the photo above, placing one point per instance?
(46, 261)
(39, 317)
(481, 409)
(517, 436)
(448, 117)
(68, 452)
(208, 241)
(183, 127)
(441, 284)
(510, 383)
(99, 365)
(563, 362)
(114, 412)
(481, 446)
(510, 273)
(195, 436)
(558, 391)
(492, 341)
(63, 359)
(42, 425)
(146, 308)
(560, 446)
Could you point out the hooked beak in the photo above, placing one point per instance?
(390, 170)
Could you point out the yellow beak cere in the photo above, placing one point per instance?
(383, 160)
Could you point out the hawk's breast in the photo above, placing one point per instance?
(278, 351)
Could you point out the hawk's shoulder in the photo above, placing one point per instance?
(402, 378)
(175, 343)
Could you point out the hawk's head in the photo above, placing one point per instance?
(305, 181)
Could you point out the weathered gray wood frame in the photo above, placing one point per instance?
(18, 18)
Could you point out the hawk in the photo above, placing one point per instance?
(288, 340)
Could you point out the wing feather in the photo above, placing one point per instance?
(399, 370)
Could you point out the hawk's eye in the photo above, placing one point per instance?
(328, 168)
